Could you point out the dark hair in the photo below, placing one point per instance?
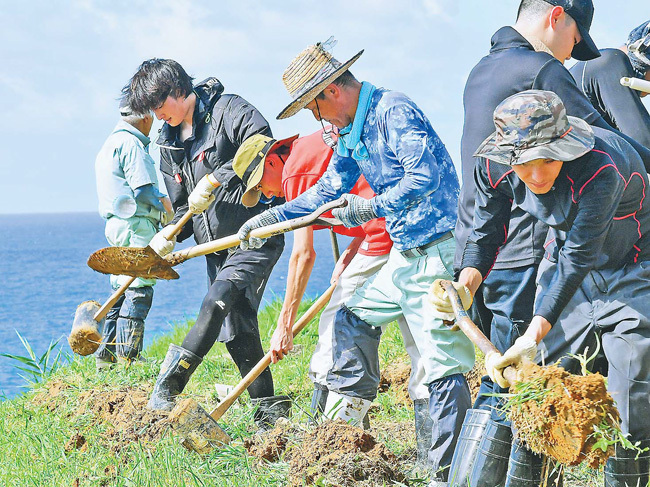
(153, 82)
(346, 79)
(532, 8)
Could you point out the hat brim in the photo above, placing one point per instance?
(252, 196)
(301, 102)
(575, 143)
(586, 49)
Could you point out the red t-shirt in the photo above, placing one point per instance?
(305, 165)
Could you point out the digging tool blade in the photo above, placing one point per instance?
(131, 261)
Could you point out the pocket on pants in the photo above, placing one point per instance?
(446, 251)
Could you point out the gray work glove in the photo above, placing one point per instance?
(268, 217)
(357, 212)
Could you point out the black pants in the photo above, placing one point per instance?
(229, 310)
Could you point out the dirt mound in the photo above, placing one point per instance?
(336, 453)
(558, 414)
(474, 376)
(124, 410)
(395, 376)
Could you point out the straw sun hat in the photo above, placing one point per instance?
(309, 73)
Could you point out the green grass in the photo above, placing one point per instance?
(32, 438)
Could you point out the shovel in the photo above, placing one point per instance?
(199, 429)
(146, 263)
(579, 404)
(472, 332)
(85, 336)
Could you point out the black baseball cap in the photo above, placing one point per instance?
(582, 11)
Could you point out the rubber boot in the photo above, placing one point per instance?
(175, 372)
(318, 401)
(526, 469)
(129, 338)
(473, 429)
(423, 429)
(350, 409)
(105, 354)
(491, 462)
(625, 469)
(269, 410)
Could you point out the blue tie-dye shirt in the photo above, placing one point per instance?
(408, 168)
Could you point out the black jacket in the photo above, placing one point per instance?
(596, 211)
(511, 66)
(620, 106)
(221, 122)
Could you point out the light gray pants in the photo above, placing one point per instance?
(612, 306)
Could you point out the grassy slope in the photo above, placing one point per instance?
(32, 438)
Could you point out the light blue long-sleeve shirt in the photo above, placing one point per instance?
(408, 168)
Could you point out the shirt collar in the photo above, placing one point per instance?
(127, 127)
(507, 38)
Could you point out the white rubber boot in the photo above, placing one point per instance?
(350, 409)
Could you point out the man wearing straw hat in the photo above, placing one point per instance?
(590, 187)
(600, 81)
(288, 168)
(387, 138)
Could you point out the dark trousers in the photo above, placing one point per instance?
(507, 299)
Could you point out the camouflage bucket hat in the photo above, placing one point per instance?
(534, 125)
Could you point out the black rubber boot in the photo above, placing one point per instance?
(105, 354)
(175, 372)
(625, 469)
(318, 401)
(269, 410)
(472, 431)
(491, 463)
(423, 429)
(526, 469)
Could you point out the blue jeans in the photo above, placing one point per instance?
(509, 294)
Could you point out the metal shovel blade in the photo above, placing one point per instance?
(131, 261)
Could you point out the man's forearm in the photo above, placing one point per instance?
(301, 264)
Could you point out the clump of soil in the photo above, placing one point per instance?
(333, 453)
(555, 413)
(336, 453)
(395, 376)
(84, 339)
(76, 442)
(123, 409)
(270, 445)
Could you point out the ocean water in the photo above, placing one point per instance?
(44, 277)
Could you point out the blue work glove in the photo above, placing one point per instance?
(357, 212)
(268, 217)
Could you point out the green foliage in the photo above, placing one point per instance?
(37, 368)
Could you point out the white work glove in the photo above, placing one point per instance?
(524, 349)
(441, 305)
(264, 219)
(357, 212)
(201, 197)
(163, 243)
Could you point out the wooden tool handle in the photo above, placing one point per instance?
(471, 330)
(266, 360)
(263, 232)
(103, 311)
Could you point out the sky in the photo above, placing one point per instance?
(65, 62)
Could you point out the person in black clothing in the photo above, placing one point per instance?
(529, 55)
(589, 186)
(600, 80)
(203, 130)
